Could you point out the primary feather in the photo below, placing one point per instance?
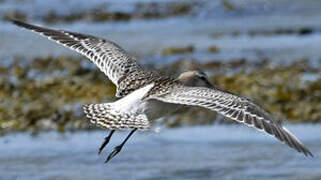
(234, 107)
(106, 55)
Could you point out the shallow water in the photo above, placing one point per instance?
(209, 152)
(217, 152)
(147, 38)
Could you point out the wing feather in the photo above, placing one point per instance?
(106, 55)
(234, 107)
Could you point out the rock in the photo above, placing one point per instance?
(178, 50)
(213, 49)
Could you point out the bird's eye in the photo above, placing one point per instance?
(202, 74)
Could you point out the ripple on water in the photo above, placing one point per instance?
(210, 152)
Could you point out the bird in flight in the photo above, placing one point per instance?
(146, 95)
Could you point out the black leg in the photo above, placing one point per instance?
(118, 148)
(106, 141)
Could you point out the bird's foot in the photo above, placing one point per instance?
(102, 146)
(106, 141)
(116, 150)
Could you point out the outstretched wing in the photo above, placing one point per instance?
(106, 116)
(107, 56)
(237, 108)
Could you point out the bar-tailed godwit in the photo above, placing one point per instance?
(146, 95)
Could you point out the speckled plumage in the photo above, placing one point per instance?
(138, 79)
(106, 55)
(234, 107)
(147, 95)
(106, 116)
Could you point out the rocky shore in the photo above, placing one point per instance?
(104, 12)
(47, 93)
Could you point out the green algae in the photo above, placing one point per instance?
(228, 6)
(91, 15)
(47, 101)
(280, 31)
(146, 10)
(14, 15)
(178, 50)
(278, 89)
(213, 49)
(48, 92)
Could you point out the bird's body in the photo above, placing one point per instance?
(155, 109)
(146, 95)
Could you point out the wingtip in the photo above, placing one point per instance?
(298, 145)
(15, 21)
(305, 151)
(18, 23)
(308, 153)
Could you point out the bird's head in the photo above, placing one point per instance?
(194, 79)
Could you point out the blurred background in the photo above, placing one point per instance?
(268, 50)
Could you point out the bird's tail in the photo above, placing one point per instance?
(106, 116)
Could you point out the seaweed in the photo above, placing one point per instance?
(48, 92)
(178, 50)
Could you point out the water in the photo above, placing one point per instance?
(146, 38)
(216, 152)
(209, 152)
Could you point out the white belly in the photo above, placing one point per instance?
(133, 104)
(153, 109)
